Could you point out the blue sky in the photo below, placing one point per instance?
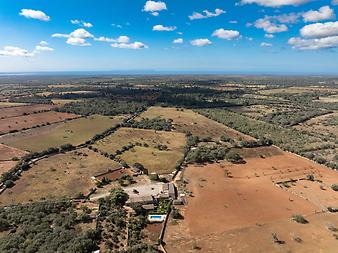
(229, 36)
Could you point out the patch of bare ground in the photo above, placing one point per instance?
(7, 153)
(245, 207)
(23, 110)
(23, 122)
(57, 176)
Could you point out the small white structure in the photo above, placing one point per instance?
(156, 218)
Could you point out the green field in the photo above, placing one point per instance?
(74, 132)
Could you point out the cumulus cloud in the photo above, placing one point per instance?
(264, 44)
(320, 30)
(324, 13)
(43, 47)
(162, 28)
(226, 34)
(20, 52)
(15, 51)
(314, 44)
(76, 38)
(120, 39)
(154, 7)
(200, 42)
(270, 26)
(34, 14)
(134, 45)
(275, 3)
(206, 14)
(178, 41)
(81, 23)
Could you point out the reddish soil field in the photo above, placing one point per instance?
(315, 237)
(114, 175)
(21, 110)
(221, 203)
(6, 166)
(7, 153)
(28, 121)
(237, 207)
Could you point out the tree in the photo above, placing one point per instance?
(118, 197)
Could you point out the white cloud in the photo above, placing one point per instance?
(290, 18)
(44, 48)
(34, 14)
(207, 14)
(154, 7)
(335, 2)
(275, 3)
(264, 44)
(43, 43)
(320, 30)
(226, 34)
(81, 23)
(77, 42)
(200, 42)
(324, 13)
(76, 38)
(233, 22)
(269, 36)
(134, 45)
(162, 28)
(269, 26)
(314, 44)
(121, 39)
(15, 51)
(178, 41)
(20, 52)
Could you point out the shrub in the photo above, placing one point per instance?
(334, 187)
(300, 219)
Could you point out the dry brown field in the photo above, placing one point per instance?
(237, 207)
(15, 111)
(29, 121)
(155, 160)
(58, 176)
(188, 121)
(7, 153)
(6, 166)
(74, 132)
(317, 125)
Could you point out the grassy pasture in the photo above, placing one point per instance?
(57, 176)
(74, 132)
(151, 157)
(188, 121)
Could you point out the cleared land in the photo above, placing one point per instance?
(149, 155)
(7, 153)
(23, 110)
(28, 121)
(57, 176)
(74, 132)
(185, 121)
(237, 207)
(6, 166)
(10, 104)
